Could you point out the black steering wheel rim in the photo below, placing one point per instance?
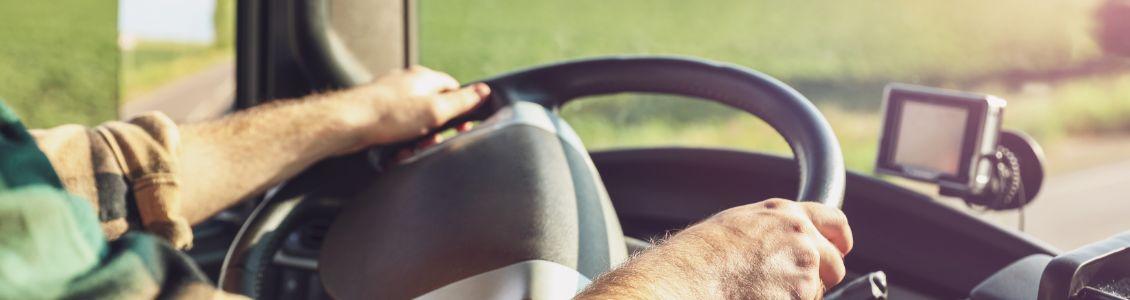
(786, 110)
(808, 134)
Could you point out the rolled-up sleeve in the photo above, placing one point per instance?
(123, 167)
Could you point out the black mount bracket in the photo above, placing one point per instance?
(1016, 177)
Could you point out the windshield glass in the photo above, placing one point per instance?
(1061, 64)
(1043, 56)
(43, 42)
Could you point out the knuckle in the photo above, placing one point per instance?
(776, 203)
(790, 222)
(806, 258)
(823, 210)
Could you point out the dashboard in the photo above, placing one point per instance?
(928, 250)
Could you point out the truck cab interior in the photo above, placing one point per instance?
(543, 216)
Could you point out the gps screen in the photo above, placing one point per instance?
(930, 137)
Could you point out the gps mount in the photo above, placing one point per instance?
(1016, 174)
(954, 139)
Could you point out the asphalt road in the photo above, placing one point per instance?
(204, 95)
(1076, 208)
(1099, 198)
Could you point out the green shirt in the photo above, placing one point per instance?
(51, 245)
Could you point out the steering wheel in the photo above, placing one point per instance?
(513, 208)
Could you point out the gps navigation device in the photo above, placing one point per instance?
(940, 136)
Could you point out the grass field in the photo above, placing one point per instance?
(839, 53)
(59, 60)
(152, 64)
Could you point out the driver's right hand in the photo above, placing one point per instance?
(774, 249)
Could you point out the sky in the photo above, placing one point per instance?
(167, 20)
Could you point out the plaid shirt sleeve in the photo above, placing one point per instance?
(50, 244)
(126, 170)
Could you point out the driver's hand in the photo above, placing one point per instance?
(778, 248)
(405, 104)
(774, 249)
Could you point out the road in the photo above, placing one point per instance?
(1078, 207)
(196, 97)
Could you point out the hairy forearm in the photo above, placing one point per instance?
(680, 268)
(246, 153)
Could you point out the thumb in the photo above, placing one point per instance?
(454, 103)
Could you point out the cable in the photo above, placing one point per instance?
(1023, 202)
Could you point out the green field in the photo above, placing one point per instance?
(152, 64)
(59, 60)
(839, 53)
(800, 41)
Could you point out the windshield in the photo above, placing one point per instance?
(1041, 55)
(1061, 65)
(38, 77)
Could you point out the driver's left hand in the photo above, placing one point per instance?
(406, 104)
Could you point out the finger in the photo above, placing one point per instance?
(445, 82)
(832, 224)
(832, 269)
(786, 206)
(452, 104)
(805, 281)
(431, 81)
(428, 142)
(827, 228)
(465, 127)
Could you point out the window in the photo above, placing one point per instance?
(177, 56)
(372, 31)
(58, 61)
(1045, 58)
(1064, 66)
(88, 62)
